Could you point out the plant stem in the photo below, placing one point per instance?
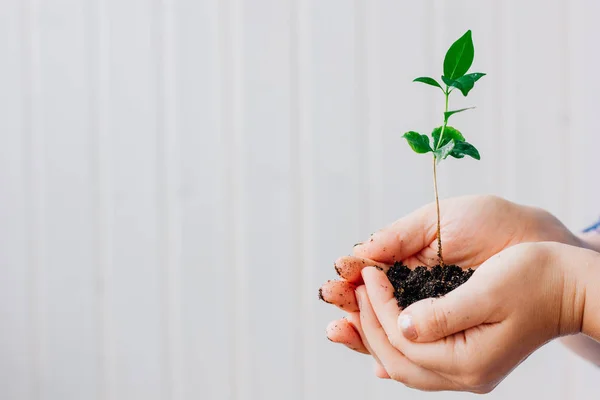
(437, 205)
(435, 186)
(447, 94)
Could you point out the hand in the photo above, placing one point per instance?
(473, 229)
(470, 339)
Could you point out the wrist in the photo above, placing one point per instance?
(569, 264)
(591, 311)
(581, 296)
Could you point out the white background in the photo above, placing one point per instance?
(178, 176)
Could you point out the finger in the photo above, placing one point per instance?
(438, 356)
(446, 334)
(354, 319)
(402, 239)
(380, 372)
(465, 353)
(398, 367)
(385, 306)
(356, 322)
(430, 320)
(341, 331)
(349, 267)
(340, 294)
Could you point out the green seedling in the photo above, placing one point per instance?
(447, 140)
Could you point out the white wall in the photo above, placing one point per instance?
(177, 177)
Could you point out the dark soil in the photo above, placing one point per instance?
(423, 283)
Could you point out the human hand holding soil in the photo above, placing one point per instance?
(475, 228)
(470, 339)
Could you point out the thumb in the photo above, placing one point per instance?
(430, 320)
(402, 239)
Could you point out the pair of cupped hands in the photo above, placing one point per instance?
(522, 294)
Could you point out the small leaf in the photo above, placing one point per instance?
(428, 81)
(450, 133)
(448, 114)
(464, 83)
(459, 57)
(444, 151)
(464, 148)
(448, 81)
(419, 143)
(475, 75)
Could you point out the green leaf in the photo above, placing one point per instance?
(464, 83)
(450, 133)
(463, 148)
(474, 75)
(419, 143)
(428, 81)
(448, 114)
(444, 151)
(448, 81)
(459, 57)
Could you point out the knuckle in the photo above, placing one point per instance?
(479, 380)
(403, 379)
(398, 237)
(483, 390)
(394, 341)
(398, 377)
(438, 323)
(490, 201)
(474, 381)
(531, 249)
(491, 198)
(535, 251)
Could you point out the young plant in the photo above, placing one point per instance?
(447, 140)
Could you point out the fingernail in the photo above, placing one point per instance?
(321, 296)
(337, 270)
(407, 326)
